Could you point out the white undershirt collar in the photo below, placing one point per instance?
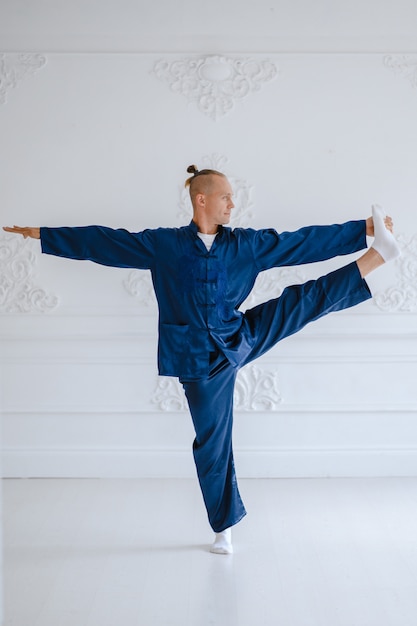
(207, 239)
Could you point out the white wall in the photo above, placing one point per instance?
(91, 132)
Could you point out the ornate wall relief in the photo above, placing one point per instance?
(402, 296)
(405, 65)
(18, 293)
(242, 194)
(256, 390)
(15, 67)
(269, 284)
(215, 83)
(139, 285)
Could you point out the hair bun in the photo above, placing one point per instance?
(192, 169)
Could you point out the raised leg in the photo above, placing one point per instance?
(384, 248)
(268, 323)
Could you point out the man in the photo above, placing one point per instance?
(201, 275)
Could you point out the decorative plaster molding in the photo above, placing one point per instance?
(255, 390)
(139, 285)
(169, 395)
(403, 296)
(405, 65)
(15, 67)
(242, 194)
(215, 83)
(18, 294)
(271, 283)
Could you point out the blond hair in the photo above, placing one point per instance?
(200, 181)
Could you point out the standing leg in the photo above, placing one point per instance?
(211, 406)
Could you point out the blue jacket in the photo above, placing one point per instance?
(199, 292)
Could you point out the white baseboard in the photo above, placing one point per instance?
(265, 463)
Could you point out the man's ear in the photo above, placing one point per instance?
(200, 200)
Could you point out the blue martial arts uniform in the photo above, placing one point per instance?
(203, 338)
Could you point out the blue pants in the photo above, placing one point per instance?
(211, 399)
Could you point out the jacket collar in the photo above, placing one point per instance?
(193, 226)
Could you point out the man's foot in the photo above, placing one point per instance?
(223, 542)
(384, 242)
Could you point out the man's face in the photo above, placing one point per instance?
(218, 203)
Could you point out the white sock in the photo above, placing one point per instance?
(223, 542)
(384, 241)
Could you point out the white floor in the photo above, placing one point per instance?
(135, 552)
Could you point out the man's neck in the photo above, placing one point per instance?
(206, 229)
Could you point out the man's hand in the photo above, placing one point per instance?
(370, 225)
(26, 231)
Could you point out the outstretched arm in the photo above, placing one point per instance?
(309, 244)
(312, 243)
(26, 231)
(100, 244)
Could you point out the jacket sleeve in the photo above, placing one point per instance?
(307, 245)
(103, 245)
